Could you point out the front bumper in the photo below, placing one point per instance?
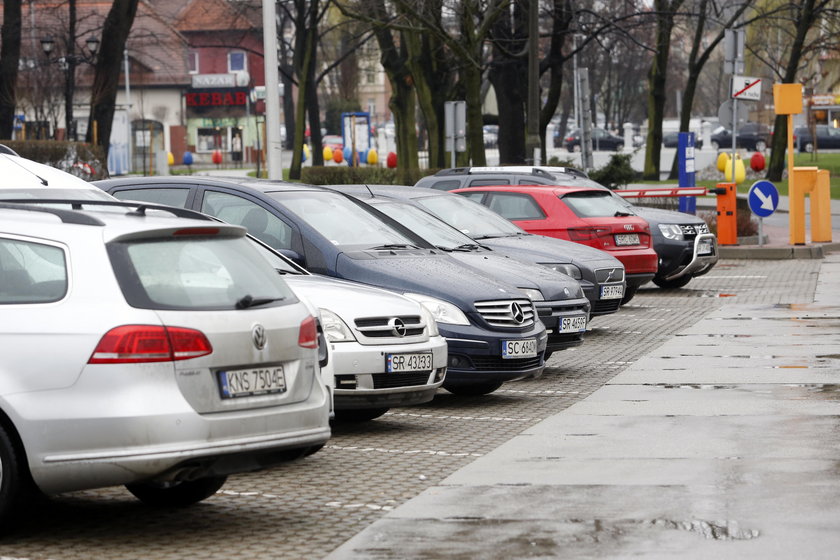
(362, 380)
(682, 258)
(557, 316)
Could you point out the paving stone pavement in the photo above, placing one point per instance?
(309, 508)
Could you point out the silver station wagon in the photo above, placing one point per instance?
(147, 350)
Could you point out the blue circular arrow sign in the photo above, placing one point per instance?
(763, 198)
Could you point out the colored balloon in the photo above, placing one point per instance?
(170, 159)
(328, 153)
(372, 156)
(188, 158)
(722, 161)
(740, 171)
(338, 156)
(217, 157)
(757, 162)
(391, 160)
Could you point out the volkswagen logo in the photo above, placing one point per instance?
(629, 227)
(517, 313)
(397, 326)
(258, 337)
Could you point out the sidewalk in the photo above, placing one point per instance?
(721, 443)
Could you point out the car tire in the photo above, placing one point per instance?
(808, 147)
(619, 147)
(672, 284)
(629, 292)
(473, 389)
(760, 146)
(715, 145)
(176, 494)
(14, 480)
(359, 414)
(575, 148)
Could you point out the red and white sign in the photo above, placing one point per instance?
(746, 88)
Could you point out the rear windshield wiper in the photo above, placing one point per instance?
(491, 236)
(395, 246)
(250, 301)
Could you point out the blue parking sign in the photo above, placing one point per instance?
(763, 198)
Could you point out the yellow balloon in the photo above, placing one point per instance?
(740, 171)
(307, 151)
(722, 161)
(170, 159)
(328, 155)
(372, 156)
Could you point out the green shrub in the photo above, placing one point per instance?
(617, 173)
(346, 175)
(79, 158)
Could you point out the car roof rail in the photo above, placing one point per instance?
(453, 171)
(138, 208)
(66, 216)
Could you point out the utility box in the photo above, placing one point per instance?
(787, 99)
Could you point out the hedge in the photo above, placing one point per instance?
(79, 158)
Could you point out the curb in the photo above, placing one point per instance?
(777, 252)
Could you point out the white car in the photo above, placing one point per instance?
(384, 349)
(23, 178)
(147, 350)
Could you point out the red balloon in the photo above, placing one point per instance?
(338, 157)
(757, 161)
(217, 157)
(391, 160)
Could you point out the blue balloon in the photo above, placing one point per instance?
(188, 158)
(348, 155)
(363, 157)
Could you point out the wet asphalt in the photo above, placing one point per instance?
(720, 443)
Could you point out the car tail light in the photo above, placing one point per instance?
(132, 344)
(308, 337)
(586, 234)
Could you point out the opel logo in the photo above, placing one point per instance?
(258, 336)
(397, 326)
(566, 292)
(517, 313)
(629, 227)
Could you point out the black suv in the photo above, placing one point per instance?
(751, 136)
(683, 242)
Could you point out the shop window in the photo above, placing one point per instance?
(192, 62)
(210, 139)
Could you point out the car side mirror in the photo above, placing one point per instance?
(293, 256)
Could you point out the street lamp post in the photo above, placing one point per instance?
(68, 63)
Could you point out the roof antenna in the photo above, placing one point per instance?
(43, 181)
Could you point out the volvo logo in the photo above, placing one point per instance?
(517, 313)
(258, 336)
(397, 326)
(610, 275)
(629, 227)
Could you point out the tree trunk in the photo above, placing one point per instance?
(108, 63)
(508, 73)
(306, 33)
(9, 60)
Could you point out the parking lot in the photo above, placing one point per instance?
(307, 509)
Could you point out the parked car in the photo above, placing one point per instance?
(333, 142)
(491, 328)
(751, 136)
(147, 350)
(491, 135)
(580, 214)
(685, 246)
(671, 140)
(600, 274)
(558, 298)
(602, 140)
(24, 178)
(826, 138)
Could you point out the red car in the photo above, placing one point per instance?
(589, 216)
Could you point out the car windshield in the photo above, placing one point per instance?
(47, 193)
(342, 221)
(196, 273)
(469, 217)
(595, 204)
(425, 225)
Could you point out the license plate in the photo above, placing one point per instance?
(247, 382)
(519, 348)
(612, 292)
(704, 247)
(627, 239)
(572, 324)
(396, 363)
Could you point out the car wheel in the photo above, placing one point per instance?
(672, 284)
(14, 483)
(176, 494)
(619, 147)
(715, 145)
(473, 389)
(576, 148)
(760, 146)
(629, 292)
(809, 147)
(359, 414)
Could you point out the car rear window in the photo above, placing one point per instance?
(593, 204)
(515, 206)
(171, 196)
(197, 273)
(31, 272)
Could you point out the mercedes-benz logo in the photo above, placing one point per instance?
(517, 313)
(397, 326)
(258, 336)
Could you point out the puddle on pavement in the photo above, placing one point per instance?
(728, 530)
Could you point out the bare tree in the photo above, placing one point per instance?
(9, 60)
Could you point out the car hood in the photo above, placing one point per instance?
(655, 216)
(350, 299)
(541, 249)
(423, 272)
(553, 285)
